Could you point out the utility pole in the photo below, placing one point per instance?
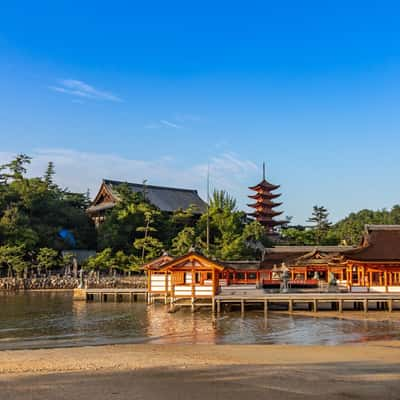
(208, 210)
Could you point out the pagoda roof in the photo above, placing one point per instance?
(266, 213)
(264, 184)
(269, 204)
(264, 195)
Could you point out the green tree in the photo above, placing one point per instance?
(47, 259)
(321, 222)
(13, 258)
(32, 212)
(182, 243)
(102, 261)
(49, 174)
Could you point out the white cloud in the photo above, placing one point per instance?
(80, 171)
(81, 89)
(170, 124)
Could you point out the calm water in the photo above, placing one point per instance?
(38, 320)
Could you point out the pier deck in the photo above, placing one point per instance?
(336, 301)
(111, 294)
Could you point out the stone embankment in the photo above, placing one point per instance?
(65, 282)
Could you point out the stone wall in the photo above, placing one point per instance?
(65, 282)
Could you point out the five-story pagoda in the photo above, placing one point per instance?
(264, 206)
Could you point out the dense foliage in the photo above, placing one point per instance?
(347, 231)
(33, 212)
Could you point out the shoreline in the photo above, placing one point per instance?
(203, 371)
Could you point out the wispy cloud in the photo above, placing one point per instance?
(81, 89)
(170, 124)
(162, 123)
(178, 121)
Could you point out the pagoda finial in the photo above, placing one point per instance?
(263, 171)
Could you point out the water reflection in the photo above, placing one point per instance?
(54, 319)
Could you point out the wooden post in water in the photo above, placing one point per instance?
(390, 305)
(265, 307)
(242, 306)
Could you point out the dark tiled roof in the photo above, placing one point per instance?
(165, 198)
(292, 254)
(380, 243)
(241, 265)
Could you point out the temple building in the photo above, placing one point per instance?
(166, 199)
(264, 205)
(373, 266)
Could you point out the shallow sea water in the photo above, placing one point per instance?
(53, 319)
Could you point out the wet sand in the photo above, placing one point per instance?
(367, 371)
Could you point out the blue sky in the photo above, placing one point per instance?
(130, 91)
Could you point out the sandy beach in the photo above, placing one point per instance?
(368, 370)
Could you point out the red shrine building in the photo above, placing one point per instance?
(264, 205)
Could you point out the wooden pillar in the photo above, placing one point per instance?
(149, 272)
(218, 306)
(340, 306)
(385, 279)
(213, 282)
(242, 306)
(365, 305)
(315, 305)
(290, 305)
(193, 283)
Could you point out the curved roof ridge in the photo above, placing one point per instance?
(112, 181)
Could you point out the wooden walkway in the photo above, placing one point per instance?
(313, 302)
(335, 301)
(105, 295)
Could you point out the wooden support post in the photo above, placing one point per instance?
(340, 303)
(390, 305)
(315, 305)
(218, 306)
(192, 305)
(365, 305)
(213, 305)
(265, 307)
(242, 306)
(290, 306)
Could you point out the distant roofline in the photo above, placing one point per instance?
(306, 248)
(373, 227)
(112, 181)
